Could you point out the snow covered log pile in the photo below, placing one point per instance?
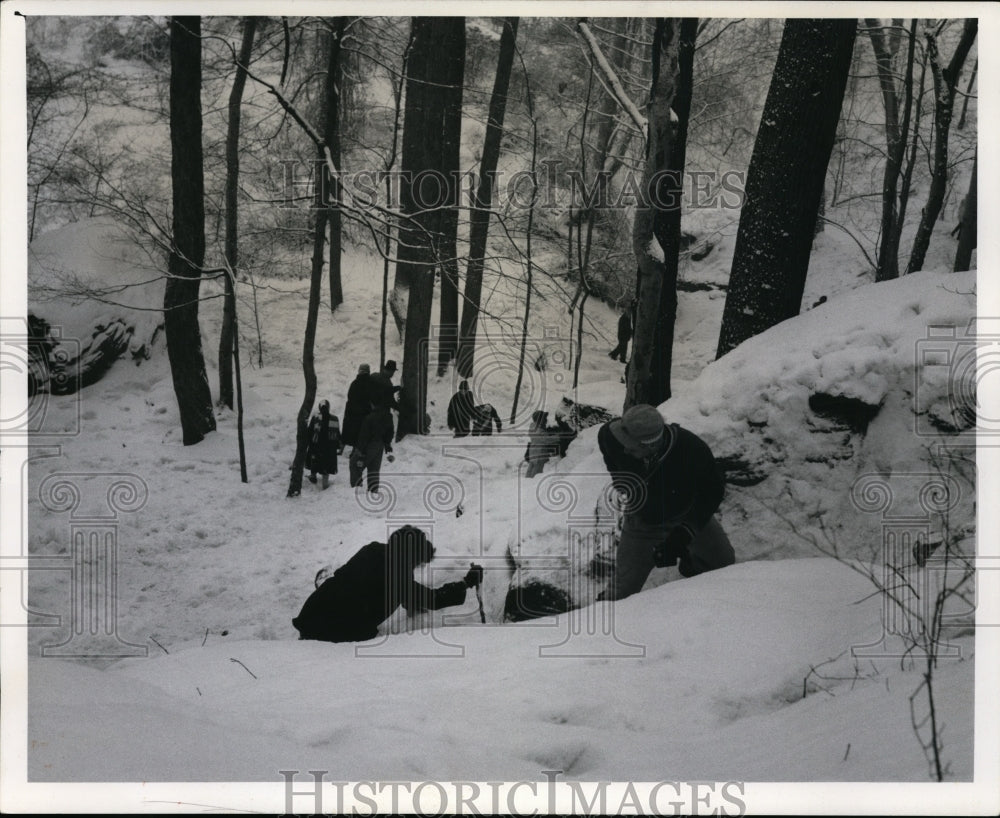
(94, 297)
(827, 427)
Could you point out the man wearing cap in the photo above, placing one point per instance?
(383, 389)
(673, 488)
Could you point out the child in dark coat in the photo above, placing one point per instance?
(324, 444)
(372, 584)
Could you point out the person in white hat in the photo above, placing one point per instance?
(673, 489)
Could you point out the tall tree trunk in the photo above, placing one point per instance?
(479, 219)
(334, 77)
(228, 334)
(968, 96)
(967, 237)
(180, 298)
(649, 283)
(944, 100)
(786, 176)
(667, 228)
(451, 149)
(527, 249)
(427, 156)
(896, 133)
(390, 162)
(309, 339)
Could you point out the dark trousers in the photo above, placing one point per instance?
(370, 461)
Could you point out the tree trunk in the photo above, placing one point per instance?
(448, 253)
(334, 77)
(968, 96)
(428, 191)
(887, 262)
(180, 298)
(649, 283)
(227, 336)
(786, 176)
(479, 218)
(309, 341)
(667, 227)
(527, 249)
(944, 101)
(967, 238)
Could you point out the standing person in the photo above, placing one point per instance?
(540, 444)
(371, 585)
(359, 404)
(620, 352)
(374, 438)
(383, 389)
(461, 410)
(483, 418)
(324, 444)
(675, 488)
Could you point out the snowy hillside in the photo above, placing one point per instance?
(149, 593)
(744, 674)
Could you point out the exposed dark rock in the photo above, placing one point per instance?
(739, 472)
(853, 413)
(534, 599)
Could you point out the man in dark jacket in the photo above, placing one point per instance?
(461, 410)
(371, 585)
(374, 438)
(673, 488)
(359, 404)
(383, 389)
(620, 352)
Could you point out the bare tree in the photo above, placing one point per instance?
(968, 226)
(945, 81)
(665, 56)
(479, 219)
(180, 298)
(431, 124)
(227, 336)
(786, 176)
(896, 135)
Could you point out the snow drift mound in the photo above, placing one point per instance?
(94, 295)
(825, 426)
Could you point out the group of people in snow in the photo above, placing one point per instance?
(670, 486)
(368, 429)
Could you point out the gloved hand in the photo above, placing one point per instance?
(475, 576)
(391, 458)
(673, 548)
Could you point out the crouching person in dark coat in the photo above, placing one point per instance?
(673, 489)
(372, 584)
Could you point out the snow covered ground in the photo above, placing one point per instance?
(783, 668)
(743, 675)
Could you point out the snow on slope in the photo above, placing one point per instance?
(714, 689)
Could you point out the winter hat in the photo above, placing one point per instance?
(364, 369)
(641, 424)
(390, 366)
(410, 546)
(324, 406)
